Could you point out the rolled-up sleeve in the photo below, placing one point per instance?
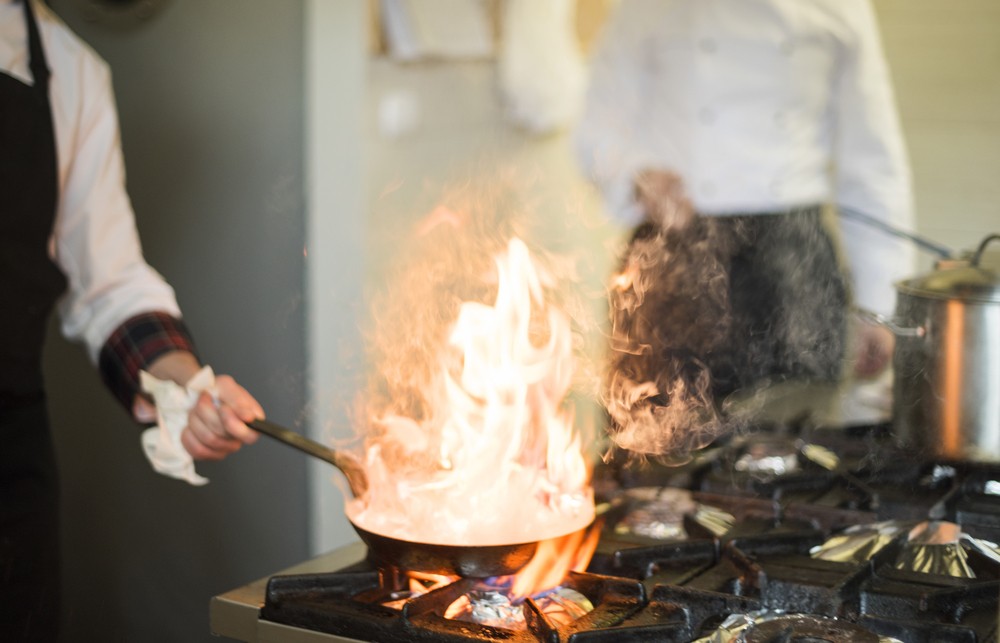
(134, 345)
(873, 172)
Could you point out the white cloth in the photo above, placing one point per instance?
(760, 105)
(162, 445)
(94, 240)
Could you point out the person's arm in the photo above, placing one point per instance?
(873, 177)
(116, 304)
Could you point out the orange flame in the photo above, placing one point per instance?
(496, 458)
(421, 582)
(554, 559)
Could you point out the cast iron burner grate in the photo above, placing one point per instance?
(683, 588)
(671, 592)
(349, 604)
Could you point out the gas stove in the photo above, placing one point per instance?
(780, 534)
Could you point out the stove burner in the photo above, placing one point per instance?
(657, 513)
(494, 607)
(938, 547)
(775, 627)
(487, 607)
(800, 628)
(770, 459)
(660, 514)
(859, 543)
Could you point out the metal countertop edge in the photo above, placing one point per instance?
(236, 613)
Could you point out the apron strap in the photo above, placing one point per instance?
(38, 64)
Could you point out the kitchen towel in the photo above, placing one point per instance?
(162, 444)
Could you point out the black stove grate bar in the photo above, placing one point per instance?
(956, 602)
(703, 609)
(642, 562)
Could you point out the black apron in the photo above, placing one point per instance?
(30, 283)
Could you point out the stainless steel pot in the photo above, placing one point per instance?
(947, 360)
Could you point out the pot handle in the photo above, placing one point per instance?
(885, 322)
(982, 247)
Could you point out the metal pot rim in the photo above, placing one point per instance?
(966, 284)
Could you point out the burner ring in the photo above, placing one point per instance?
(801, 628)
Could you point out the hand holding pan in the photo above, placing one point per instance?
(480, 561)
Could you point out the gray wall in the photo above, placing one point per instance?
(945, 60)
(210, 98)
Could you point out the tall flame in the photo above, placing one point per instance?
(494, 458)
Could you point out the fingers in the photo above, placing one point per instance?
(205, 436)
(217, 430)
(199, 449)
(236, 408)
(237, 398)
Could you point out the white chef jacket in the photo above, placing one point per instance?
(94, 239)
(761, 106)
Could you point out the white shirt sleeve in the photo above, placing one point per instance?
(872, 170)
(607, 140)
(95, 241)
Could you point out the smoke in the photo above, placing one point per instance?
(715, 311)
(668, 304)
(447, 259)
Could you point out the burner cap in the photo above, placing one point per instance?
(776, 627)
(802, 628)
(769, 458)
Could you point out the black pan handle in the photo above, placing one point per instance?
(346, 462)
(924, 243)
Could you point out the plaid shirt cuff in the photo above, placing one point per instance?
(134, 345)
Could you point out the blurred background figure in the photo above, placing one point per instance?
(721, 128)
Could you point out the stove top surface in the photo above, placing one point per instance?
(830, 535)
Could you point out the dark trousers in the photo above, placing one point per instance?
(29, 526)
(789, 303)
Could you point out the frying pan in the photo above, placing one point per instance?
(480, 561)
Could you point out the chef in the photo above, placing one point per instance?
(721, 127)
(68, 238)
